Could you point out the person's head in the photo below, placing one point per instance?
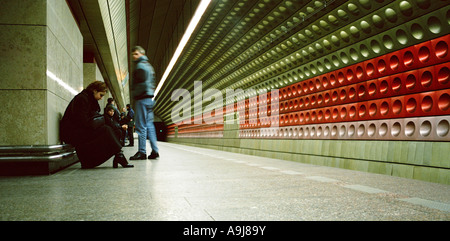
(128, 106)
(137, 52)
(110, 100)
(110, 110)
(98, 88)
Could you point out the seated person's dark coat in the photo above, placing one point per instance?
(93, 145)
(115, 126)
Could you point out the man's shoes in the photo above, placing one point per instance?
(153, 155)
(129, 145)
(138, 156)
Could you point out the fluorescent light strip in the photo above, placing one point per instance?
(192, 25)
(61, 83)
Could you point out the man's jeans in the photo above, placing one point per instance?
(144, 124)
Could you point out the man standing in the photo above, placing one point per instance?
(143, 89)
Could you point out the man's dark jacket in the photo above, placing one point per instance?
(143, 82)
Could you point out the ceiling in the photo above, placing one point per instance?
(110, 29)
(158, 26)
(239, 45)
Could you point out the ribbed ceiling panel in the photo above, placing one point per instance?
(114, 19)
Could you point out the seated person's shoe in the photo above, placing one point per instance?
(122, 160)
(138, 156)
(153, 155)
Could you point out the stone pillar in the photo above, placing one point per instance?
(41, 64)
(91, 72)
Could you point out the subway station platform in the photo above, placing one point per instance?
(194, 184)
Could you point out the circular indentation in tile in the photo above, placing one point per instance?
(325, 82)
(365, 26)
(441, 49)
(424, 54)
(391, 15)
(377, 21)
(326, 131)
(443, 75)
(384, 108)
(371, 130)
(394, 62)
(327, 114)
(408, 58)
(352, 112)
(334, 131)
(383, 129)
(427, 104)
(376, 47)
(425, 128)
(396, 84)
(396, 128)
(384, 87)
(361, 91)
(343, 113)
(372, 90)
(361, 130)
(424, 4)
(434, 25)
(444, 102)
(442, 128)
(370, 69)
(359, 72)
(388, 42)
(411, 105)
(381, 66)
(397, 107)
(349, 75)
(362, 110)
(342, 131)
(410, 128)
(406, 8)
(372, 109)
(417, 31)
(351, 130)
(367, 4)
(340, 78)
(401, 36)
(335, 113)
(334, 96)
(342, 95)
(364, 50)
(319, 99)
(426, 79)
(320, 115)
(351, 93)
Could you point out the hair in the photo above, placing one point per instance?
(128, 105)
(108, 108)
(99, 86)
(139, 49)
(110, 100)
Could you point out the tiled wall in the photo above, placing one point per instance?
(363, 87)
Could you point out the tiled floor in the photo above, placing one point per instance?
(189, 183)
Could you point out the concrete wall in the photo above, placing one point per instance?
(427, 161)
(41, 61)
(91, 72)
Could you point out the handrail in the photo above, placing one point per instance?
(35, 149)
(57, 157)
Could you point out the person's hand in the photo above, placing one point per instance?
(125, 127)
